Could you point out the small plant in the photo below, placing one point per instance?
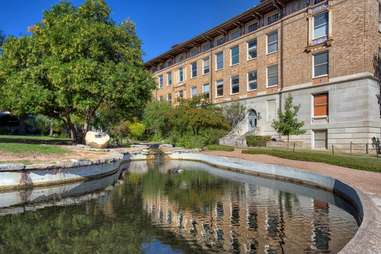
(288, 123)
(136, 130)
(257, 141)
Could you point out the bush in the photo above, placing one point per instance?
(136, 130)
(257, 141)
(220, 148)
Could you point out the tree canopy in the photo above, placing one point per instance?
(77, 66)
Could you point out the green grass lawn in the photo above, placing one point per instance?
(43, 138)
(15, 148)
(360, 162)
(220, 148)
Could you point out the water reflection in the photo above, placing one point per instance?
(157, 208)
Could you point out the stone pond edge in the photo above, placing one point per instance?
(366, 240)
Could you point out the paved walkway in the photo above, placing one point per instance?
(367, 182)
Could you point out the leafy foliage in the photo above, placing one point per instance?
(220, 148)
(137, 130)
(255, 141)
(234, 113)
(287, 123)
(77, 66)
(192, 123)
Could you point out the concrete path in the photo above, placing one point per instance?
(367, 182)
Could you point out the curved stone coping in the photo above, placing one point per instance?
(368, 237)
(20, 176)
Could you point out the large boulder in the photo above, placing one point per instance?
(97, 139)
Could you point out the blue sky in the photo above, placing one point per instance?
(160, 23)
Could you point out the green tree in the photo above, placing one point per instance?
(76, 66)
(234, 113)
(287, 123)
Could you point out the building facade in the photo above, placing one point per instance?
(325, 53)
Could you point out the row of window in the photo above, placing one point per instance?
(320, 69)
(320, 33)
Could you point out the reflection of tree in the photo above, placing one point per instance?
(84, 228)
(189, 190)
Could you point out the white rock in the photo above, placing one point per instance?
(97, 139)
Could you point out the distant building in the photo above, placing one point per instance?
(324, 53)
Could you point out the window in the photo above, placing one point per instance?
(194, 69)
(205, 90)
(169, 78)
(320, 23)
(321, 139)
(252, 49)
(205, 46)
(194, 51)
(181, 94)
(272, 42)
(235, 34)
(219, 40)
(235, 84)
(251, 27)
(161, 81)
(194, 91)
(252, 80)
(272, 75)
(271, 19)
(220, 88)
(219, 61)
(321, 107)
(181, 75)
(180, 57)
(206, 65)
(271, 110)
(234, 53)
(161, 98)
(169, 98)
(320, 62)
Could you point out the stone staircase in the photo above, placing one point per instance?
(237, 137)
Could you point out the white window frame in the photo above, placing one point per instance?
(313, 26)
(217, 38)
(231, 84)
(248, 49)
(178, 75)
(205, 59)
(191, 91)
(221, 81)
(216, 60)
(194, 76)
(267, 42)
(231, 55)
(203, 88)
(248, 82)
(169, 74)
(234, 31)
(267, 75)
(313, 65)
(161, 81)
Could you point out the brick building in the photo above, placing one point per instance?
(324, 53)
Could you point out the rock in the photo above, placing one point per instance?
(97, 139)
(11, 167)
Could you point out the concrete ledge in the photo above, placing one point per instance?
(368, 237)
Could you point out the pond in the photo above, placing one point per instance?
(175, 207)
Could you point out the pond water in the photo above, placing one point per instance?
(175, 207)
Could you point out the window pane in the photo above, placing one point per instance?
(220, 88)
(321, 105)
(272, 75)
(205, 89)
(194, 69)
(252, 49)
(194, 91)
(321, 25)
(220, 60)
(252, 27)
(321, 64)
(235, 55)
(169, 76)
(235, 84)
(252, 80)
(206, 65)
(272, 42)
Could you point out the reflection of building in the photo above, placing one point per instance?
(250, 219)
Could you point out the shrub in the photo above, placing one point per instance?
(255, 141)
(136, 130)
(220, 148)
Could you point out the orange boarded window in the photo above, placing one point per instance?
(321, 105)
